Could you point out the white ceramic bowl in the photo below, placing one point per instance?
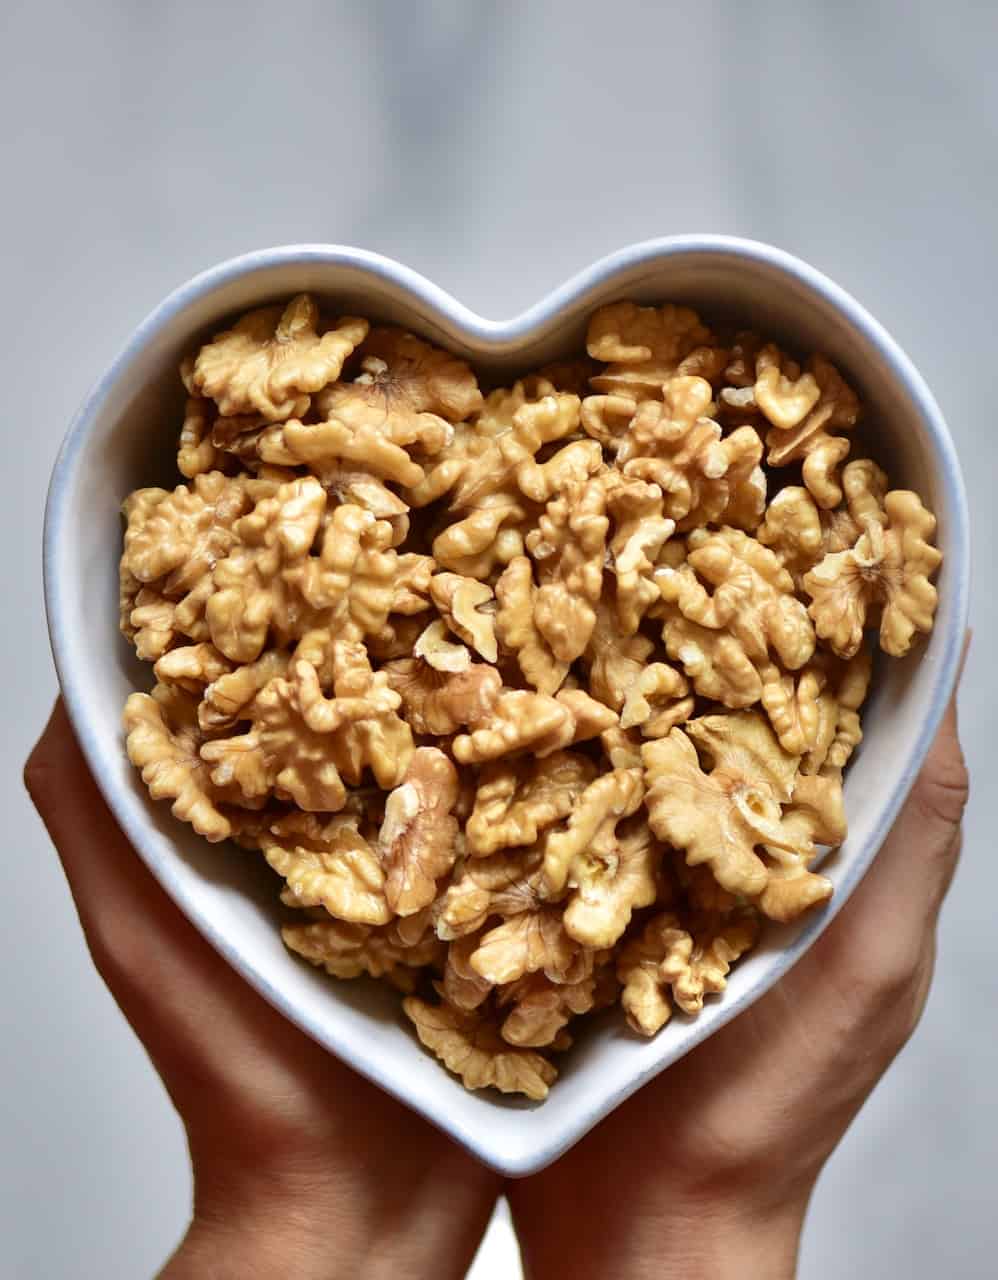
(125, 436)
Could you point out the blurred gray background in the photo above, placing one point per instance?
(497, 149)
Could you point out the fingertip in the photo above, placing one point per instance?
(968, 638)
(37, 767)
(942, 788)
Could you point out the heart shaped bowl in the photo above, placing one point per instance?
(124, 437)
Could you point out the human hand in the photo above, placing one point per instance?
(708, 1171)
(301, 1167)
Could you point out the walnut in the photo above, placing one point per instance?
(272, 360)
(704, 478)
(839, 732)
(792, 531)
(721, 816)
(753, 600)
(328, 863)
(791, 700)
(361, 717)
(614, 661)
(329, 448)
(613, 877)
(439, 653)
(520, 721)
(814, 816)
(461, 986)
(504, 884)
(155, 622)
(302, 745)
(809, 438)
(666, 956)
(357, 570)
(591, 833)
(417, 838)
(470, 441)
(180, 536)
(640, 530)
(440, 702)
(517, 423)
(890, 564)
(251, 597)
(347, 950)
(755, 774)
(472, 1048)
(485, 540)
(656, 701)
(573, 463)
(590, 717)
(641, 345)
(468, 608)
(196, 453)
(226, 699)
(523, 721)
(801, 534)
(781, 392)
(865, 487)
(192, 667)
(280, 755)
(163, 741)
(516, 800)
(715, 662)
(745, 482)
(149, 619)
(531, 942)
(517, 630)
(409, 391)
(606, 418)
(677, 426)
(569, 547)
(539, 1008)
(705, 362)
(740, 370)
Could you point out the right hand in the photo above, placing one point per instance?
(708, 1171)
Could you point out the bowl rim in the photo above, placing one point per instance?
(516, 1157)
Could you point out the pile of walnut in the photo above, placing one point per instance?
(531, 699)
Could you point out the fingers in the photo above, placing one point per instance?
(915, 866)
(919, 857)
(101, 867)
(927, 832)
(152, 958)
(120, 904)
(881, 947)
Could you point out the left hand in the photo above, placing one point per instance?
(301, 1167)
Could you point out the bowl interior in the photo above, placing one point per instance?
(125, 437)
